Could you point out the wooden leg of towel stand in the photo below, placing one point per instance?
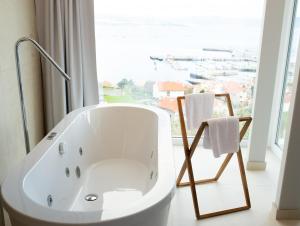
(244, 183)
(221, 212)
(243, 177)
(246, 193)
(223, 166)
(181, 173)
(226, 161)
(203, 181)
(190, 150)
(192, 183)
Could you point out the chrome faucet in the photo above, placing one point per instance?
(47, 57)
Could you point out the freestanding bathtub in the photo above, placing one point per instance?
(101, 165)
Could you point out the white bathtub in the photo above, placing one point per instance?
(124, 154)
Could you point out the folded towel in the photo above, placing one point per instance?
(198, 108)
(222, 135)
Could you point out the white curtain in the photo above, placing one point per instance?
(66, 31)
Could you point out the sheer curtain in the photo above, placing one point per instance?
(66, 31)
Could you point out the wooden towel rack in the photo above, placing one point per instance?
(189, 151)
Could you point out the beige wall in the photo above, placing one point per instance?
(17, 19)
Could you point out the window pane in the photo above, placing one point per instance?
(150, 52)
(288, 78)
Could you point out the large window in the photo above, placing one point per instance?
(150, 52)
(289, 76)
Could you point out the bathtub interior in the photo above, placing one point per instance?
(108, 152)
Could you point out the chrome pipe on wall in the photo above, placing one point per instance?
(20, 85)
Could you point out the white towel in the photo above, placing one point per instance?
(198, 108)
(222, 135)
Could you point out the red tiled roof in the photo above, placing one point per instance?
(233, 87)
(168, 103)
(172, 86)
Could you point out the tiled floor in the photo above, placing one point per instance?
(227, 193)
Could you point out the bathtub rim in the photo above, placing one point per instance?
(165, 180)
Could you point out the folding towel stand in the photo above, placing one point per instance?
(189, 151)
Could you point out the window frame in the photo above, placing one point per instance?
(281, 76)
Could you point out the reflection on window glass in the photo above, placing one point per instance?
(150, 52)
(288, 78)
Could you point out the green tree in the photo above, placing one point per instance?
(124, 83)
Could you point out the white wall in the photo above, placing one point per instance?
(265, 84)
(288, 196)
(17, 18)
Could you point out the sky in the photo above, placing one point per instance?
(180, 8)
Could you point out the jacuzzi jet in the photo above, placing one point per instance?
(49, 200)
(77, 172)
(91, 197)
